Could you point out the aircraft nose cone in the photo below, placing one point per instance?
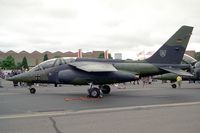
(23, 77)
(13, 78)
(18, 78)
(9, 79)
(157, 77)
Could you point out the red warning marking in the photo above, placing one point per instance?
(81, 99)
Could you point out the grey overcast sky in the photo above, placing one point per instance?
(125, 26)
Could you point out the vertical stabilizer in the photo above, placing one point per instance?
(173, 50)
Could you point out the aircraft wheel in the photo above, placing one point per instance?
(32, 90)
(105, 89)
(94, 92)
(173, 85)
(55, 85)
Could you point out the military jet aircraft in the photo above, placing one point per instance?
(102, 72)
(194, 69)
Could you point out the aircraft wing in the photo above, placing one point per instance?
(94, 66)
(176, 71)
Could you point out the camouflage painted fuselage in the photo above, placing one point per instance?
(101, 71)
(66, 74)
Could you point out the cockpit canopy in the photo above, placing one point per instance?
(197, 65)
(188, 59)
(53, 62)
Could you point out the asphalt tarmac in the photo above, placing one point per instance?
(152, 108)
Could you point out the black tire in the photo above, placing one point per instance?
(32, 90)
(55, 85)
(174, 86)
(94, 92)
(105, 89)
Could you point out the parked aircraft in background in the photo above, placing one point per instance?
(194, 69)
(102, 72)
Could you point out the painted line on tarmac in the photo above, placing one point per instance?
(7, 93)
(140, 89)
(72, 112)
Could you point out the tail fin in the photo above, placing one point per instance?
(173, 50)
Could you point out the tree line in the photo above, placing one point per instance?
(9, 63)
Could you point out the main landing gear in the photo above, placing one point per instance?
(32, 90)
(105, 89)
(174, 86)
(95, 92)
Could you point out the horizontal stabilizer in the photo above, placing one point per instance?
(176, 71)
(94, 66)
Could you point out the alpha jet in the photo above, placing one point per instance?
(102, 72)
(194, 69)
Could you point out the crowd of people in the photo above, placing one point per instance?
(146, 80)
(6, 74)
(2, 75)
